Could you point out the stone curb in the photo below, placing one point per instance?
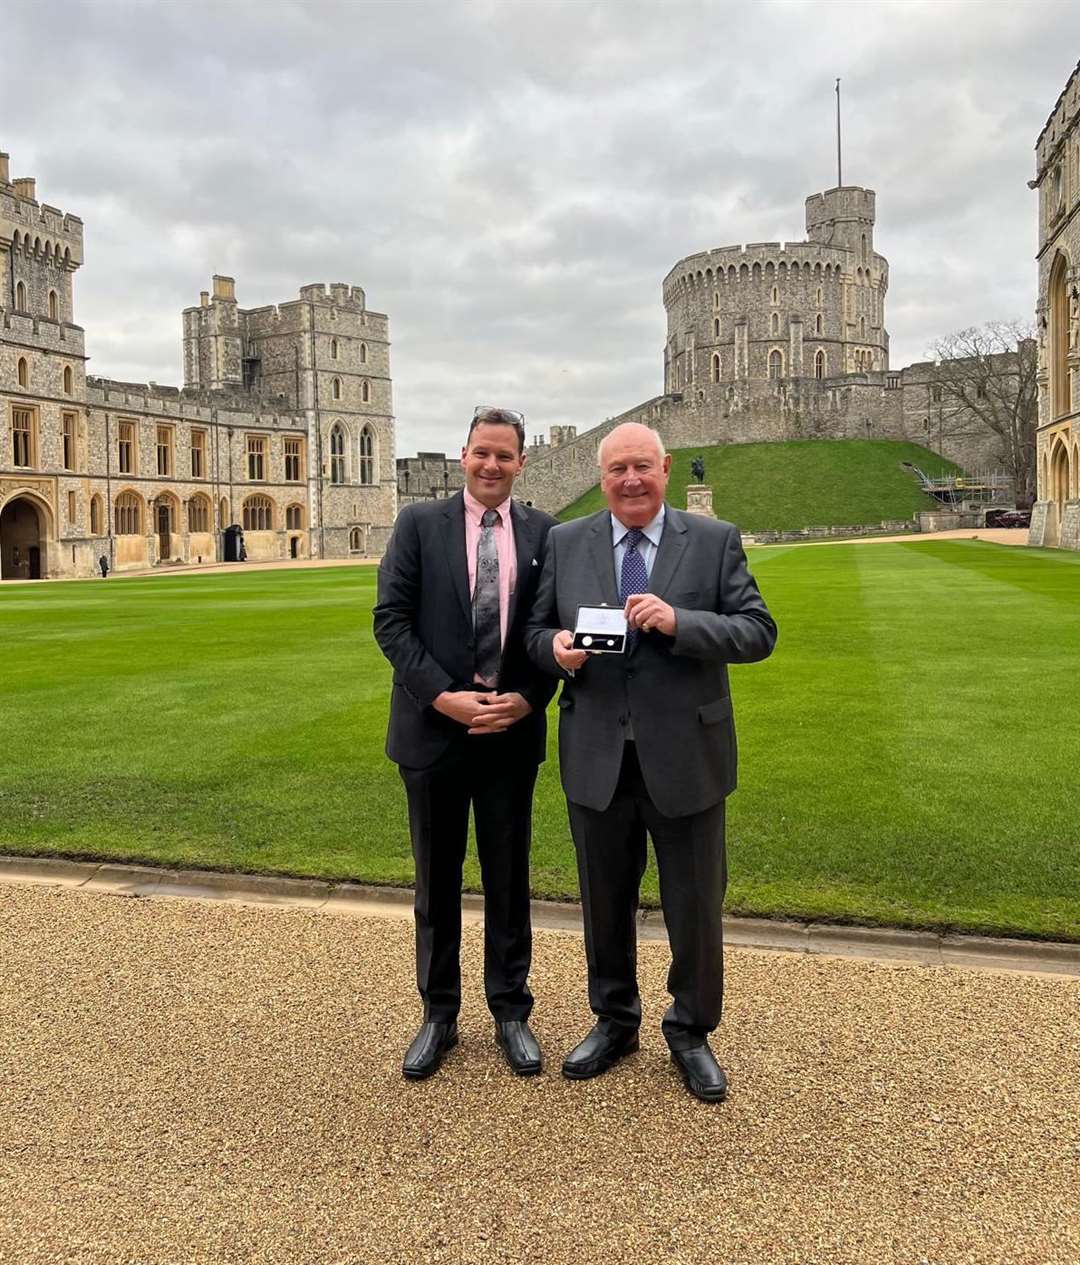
(892, 944)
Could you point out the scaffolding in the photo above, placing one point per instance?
(965, 491)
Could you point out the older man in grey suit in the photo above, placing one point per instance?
(647, 741)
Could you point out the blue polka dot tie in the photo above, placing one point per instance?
(635, 577)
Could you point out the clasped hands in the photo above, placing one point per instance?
(480, 712)
(644, 611)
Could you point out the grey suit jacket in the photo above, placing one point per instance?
(674, 690)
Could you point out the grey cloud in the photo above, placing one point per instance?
(510, 182)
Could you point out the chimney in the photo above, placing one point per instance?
(225, 288)
(204, 298)
(5, 170)
(25, 188)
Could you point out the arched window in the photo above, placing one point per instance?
(1059, 340)
(95, 515)
(258, 514)
(365, 391)
(862, 326)
(337, 454)
(294, 517)
(776, 323)
(715, 375)
(20, 297)
(363, 353)
(333, 349)
(23, 371)
(335, 388)
(716, 298)
(223, 513)
(367, 456)
(819, 364)
(128, 514)
(198, 512)
(776, 364)
(819, 293)
(54, 306)
(716, 327)
(818, 325)
(775, 294)
(355, 543)
(68, 380)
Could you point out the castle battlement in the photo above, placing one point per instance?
(43, 332)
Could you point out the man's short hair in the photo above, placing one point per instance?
(484, 414)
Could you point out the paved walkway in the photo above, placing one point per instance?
(188, 1082)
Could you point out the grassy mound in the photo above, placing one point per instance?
(802, 483)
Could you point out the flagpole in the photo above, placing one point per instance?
(839, 173)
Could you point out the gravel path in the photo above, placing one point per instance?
(189, 1082)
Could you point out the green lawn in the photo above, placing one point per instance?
(908, 755)
(802, 483)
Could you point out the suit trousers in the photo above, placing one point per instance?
(488, 773)
(691, 860)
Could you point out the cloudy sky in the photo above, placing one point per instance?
(511, 179)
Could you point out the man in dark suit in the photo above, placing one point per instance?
(467, 728)
(647, 741)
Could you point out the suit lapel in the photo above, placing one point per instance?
(670, 553)
(457, 563)
(603, 558)
(525, 537)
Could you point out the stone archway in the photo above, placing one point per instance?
(1059, 476)
(23, 540)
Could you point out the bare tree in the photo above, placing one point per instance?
(984, 379)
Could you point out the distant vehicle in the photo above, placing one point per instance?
(1008, 518)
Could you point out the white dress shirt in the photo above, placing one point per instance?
(647, 547)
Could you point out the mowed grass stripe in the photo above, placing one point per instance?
(237, 721)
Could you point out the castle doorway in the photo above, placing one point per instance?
(22, 534)
(1059, 477)
(164, 529)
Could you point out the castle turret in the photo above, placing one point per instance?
(213, 342)
(843, 217)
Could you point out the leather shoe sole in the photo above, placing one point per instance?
(586, 1070)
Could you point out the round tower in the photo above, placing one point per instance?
(781, 310)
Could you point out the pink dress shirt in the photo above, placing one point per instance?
(504, 542)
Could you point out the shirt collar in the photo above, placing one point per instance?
(476, 510)
(651, 531)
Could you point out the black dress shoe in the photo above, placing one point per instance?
(704, 1077)
(599, 1051)
(521, 1048)
(423, 1057)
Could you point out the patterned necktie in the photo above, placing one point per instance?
(487, 627)
(635, 577)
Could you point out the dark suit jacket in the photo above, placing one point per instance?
(674, 690)
(424, 625)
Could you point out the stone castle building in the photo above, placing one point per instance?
(1056, 517)
(770, 341)
(284, 426)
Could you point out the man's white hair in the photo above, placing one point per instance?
(630, 426)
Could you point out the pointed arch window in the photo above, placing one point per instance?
(363, 353)
(819, 364)
(716, 327)
(776, 364)
(775, 294)
(776, 322)
(23, 372)
(95, 515)
(367, 455)
(818, 324)
(335, 388)
(365, 392)
(333, 349)
(1059, 340)
(69, 380)
(337, 454)
(54, 306)
(20, 297)
(715, 375)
